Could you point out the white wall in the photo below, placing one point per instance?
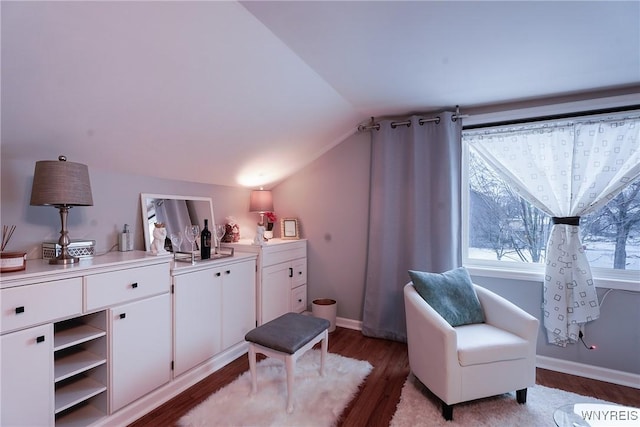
(116, 201)
(331, 199)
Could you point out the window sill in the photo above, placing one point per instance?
(537, 275)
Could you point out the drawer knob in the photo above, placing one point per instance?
(123, 315)
(299, 299)
(227, 272)
(20, 309)
(300, 273)
(134, 285)
(218, 274)
(40, 339)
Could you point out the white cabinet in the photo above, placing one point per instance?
(281, 281)
(275, 291)
(214, 306)
(27, 377)
(64, 360)
(238, 302)
(94, 343)
(140, 339)
(140, 348)
(197, 318)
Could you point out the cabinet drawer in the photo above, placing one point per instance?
(275, 255)
(299, 299)
(299, 272)
(29, 305)
(115, 287)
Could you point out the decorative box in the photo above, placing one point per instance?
(77, 248)
(12, 261)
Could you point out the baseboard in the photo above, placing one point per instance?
(589, 371)
(349, 323)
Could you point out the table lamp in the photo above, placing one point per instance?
(63, 185)
(261, 202)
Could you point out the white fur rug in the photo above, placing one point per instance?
(419, 407)
(318, 401)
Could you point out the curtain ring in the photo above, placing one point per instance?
(435, 119)
(396, 124)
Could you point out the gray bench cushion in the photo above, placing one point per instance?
(288, 333)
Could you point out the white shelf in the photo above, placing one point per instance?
(76, 363)
(80, 348)
(82, 417)
(76, 335)
(77, 392)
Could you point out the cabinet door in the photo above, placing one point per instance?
(140, 348)
(27, 377)
(275, 291)
(197, 321)
(238, 302)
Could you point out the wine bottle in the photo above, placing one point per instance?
(205, 241)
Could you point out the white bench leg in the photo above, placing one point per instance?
(290, 362)
(252, 369)
(323, 354)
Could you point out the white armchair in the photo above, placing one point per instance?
(471, 361)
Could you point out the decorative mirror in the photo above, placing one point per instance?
(176, 213)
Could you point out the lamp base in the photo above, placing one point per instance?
(60, 260)
(64, 258)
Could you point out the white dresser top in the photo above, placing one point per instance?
(39, 270)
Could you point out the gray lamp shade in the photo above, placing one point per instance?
(61, 183)
(261, 201)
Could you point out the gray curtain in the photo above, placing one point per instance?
(414, 214)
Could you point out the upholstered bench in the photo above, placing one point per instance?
(287, 338)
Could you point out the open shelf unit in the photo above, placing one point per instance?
(80, 369)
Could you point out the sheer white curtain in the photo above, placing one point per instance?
(567, 170)
(414, 214)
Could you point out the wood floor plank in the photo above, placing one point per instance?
(376, 401)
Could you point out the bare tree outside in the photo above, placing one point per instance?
(505, 227)
(617, 221)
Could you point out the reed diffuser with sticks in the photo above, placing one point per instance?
(10, 261)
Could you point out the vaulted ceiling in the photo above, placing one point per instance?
(246, 93)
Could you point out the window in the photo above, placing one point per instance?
(505, 231)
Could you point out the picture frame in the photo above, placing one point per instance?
(289, 229)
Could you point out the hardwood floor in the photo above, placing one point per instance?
(376, 402)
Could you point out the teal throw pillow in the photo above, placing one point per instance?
(451, 294)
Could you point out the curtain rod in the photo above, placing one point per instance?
(422, 121)
(553, 117)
